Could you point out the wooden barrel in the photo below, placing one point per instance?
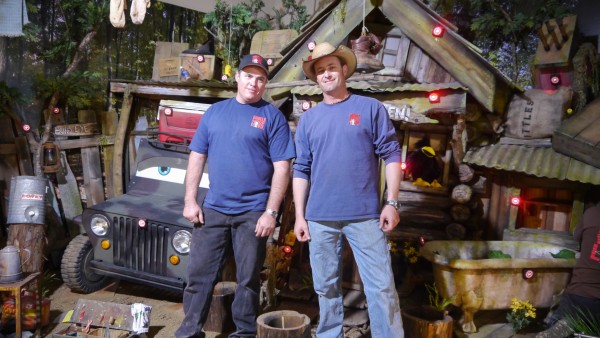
(418, 322)
(283, 324)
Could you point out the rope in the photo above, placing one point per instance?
(364, 28)
(230, 24)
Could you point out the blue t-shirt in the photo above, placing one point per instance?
(242, 141)
(338, 149)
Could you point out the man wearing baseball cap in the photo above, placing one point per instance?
(339, 143)
(248, 146)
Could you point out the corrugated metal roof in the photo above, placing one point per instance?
(536, 161)
(378, 86)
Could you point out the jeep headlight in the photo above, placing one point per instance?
(99, 225)
(181, 241)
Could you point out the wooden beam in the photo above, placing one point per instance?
(8, 149)
(463, 63)
(162, 89)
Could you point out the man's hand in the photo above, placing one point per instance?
(389, 219)
(301, 230)
(193, 213)
(265, 225)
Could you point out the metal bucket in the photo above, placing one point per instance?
(26, 204)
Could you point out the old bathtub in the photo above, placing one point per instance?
(462, 270)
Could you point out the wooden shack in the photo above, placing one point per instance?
(471, 96)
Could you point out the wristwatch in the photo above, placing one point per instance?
(395, 203)
(272, 212)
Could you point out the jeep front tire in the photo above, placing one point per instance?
(75, 267)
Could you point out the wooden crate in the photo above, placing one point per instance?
(201, 67)
(269, 44)
(166, 60)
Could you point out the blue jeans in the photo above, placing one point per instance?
(372, 256)
(211, 244)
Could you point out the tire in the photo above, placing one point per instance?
(75, 267)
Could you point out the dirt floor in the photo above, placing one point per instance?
(167, 311)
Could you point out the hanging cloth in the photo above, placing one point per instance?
(138, 10)
(117, 13)
(11, 25)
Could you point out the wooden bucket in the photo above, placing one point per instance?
(283, 324)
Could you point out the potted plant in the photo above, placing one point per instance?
(430, 321)
(584, 323)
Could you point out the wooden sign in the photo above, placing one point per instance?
(79, 129)
(168, 67)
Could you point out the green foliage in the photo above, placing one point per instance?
(436, 300)
(583, 321)
(564, 254)
(8, 97)
(506, 30)
(235, 25)
(497, 254)
(78, 90)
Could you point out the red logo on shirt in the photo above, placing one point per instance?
(354, 119)
(258, 122)
(595, 254)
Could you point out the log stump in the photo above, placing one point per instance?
(424, 323)
(219, 316)
(33, 238)
(283, 324)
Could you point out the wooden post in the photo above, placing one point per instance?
(109, 122)
(90, 161)
(120, 142)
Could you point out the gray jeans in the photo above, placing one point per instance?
(210, 247)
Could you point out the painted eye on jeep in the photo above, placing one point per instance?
(181, 241)
(99, 225)
(164, 170)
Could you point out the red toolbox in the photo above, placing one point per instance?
(178, 120)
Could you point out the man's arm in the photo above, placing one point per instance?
(281, 177)
(191, 210)
(389, 215)
(300, 189)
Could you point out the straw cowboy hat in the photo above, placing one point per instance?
(325, 49)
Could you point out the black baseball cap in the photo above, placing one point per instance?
(254, 60)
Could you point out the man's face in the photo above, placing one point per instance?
(330, 73)
(251, 82)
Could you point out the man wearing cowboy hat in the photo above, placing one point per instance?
(339, 143)
(248, 146)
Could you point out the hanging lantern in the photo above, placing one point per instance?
(51, 163)
(438, 31)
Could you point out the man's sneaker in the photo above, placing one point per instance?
(560, 329)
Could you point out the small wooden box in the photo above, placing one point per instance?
(200, 67)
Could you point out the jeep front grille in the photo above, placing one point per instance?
(141, 249)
